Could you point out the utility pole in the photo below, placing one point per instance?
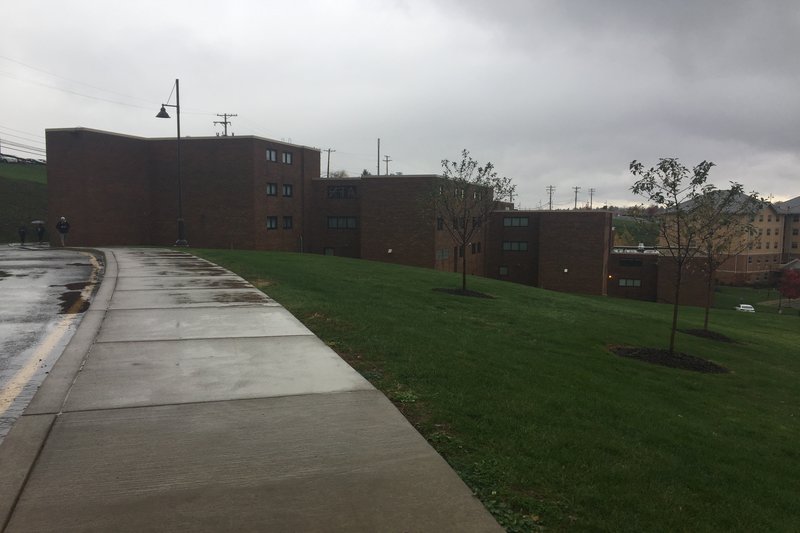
(591, 195)
(379, 156)
(224, 122)
(386, 159)
(550, 189)
(576, 189)
(328, 173)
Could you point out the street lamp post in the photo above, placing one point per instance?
(163, 114)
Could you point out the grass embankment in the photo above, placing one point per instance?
(23, 198)
(522, 398)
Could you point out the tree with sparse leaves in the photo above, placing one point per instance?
(725, 219)
(462, 199)
(789, 284)
(672, 187)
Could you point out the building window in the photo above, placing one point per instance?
(796, 218)
(630, 283)
(515, 246)
(513, 222)
(503, 271)
(769, 218)
(749, 259)
(776, 231)
(272, 222)
(761, 218)
(286, 157)
(341, 192)
(272, 155)
(476, 222)
(795, 231)
(794, 245)
(272, 189)
(287, 189)
(769, 231)
(439, 223)
(327, 251)
(287, 222)
(342, 222)
(766, 245)
(444, 253)
(476, 247)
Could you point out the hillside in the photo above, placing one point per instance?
(523, 398)
(23, 198)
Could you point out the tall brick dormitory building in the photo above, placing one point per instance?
(247, 192)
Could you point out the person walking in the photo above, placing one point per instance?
(22, 232)
(63, 228)
(40, 232)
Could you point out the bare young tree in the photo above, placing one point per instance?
(463, 198)
(725, 219)
(672, 187)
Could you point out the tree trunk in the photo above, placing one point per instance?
(464, 267)
(675, 309)
(709, 286)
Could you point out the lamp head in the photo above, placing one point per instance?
(163, 113)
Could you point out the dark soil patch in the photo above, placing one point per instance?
(660, 356)
(713, 335)
(467, 292)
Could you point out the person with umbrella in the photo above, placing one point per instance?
(39, 225)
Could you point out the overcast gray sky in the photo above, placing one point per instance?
(558, 92)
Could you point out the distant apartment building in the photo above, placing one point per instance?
(790, 211)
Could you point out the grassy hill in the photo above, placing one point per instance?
(23, 198)
(522, 397)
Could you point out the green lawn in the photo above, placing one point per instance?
(522, 398)
(23, 198)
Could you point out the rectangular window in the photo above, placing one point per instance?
(766, 245)
(287, 189)
(749, 259)
(476, 247)
(630, 283)
(515, 246)
(776, 231)
(440, 223)
(342, 222)
(444, 253)
(795, 231)
(769, 218)
(286, 157)
(460, 251)
(513, 222)
(287, 222)
(272, 222)
(769, 231)
(761, 218)
(794, 245)
(796, 218)
(272, 189)
(476, 222)
(272, 155)
(503, 271)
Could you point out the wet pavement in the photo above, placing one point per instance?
(43, 292)
(187, 400)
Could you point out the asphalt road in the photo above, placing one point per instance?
(43, 293)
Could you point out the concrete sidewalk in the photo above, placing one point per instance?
(189, 401)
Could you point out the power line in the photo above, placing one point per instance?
(550, 190)
(224, 121)
(576, 189)
(328, 172)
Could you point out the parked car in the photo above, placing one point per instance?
(746, 308)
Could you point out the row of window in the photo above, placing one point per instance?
(272, 222)
(341, 192)
(272, 189)
(272, 156)
(515, 246)
(342, 222)
(514, 222)
(630, 282)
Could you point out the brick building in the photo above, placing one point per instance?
(247, 192)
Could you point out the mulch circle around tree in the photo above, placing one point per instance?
(713, 335)
(660, 356)
(467, 292)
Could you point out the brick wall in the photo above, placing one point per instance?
(100, 183)
(633, 275)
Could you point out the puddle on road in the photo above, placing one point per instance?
(77, 286)
(72, 303)
(4, 274)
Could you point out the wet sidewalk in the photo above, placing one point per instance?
(189, 401)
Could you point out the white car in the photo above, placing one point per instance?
(746, 308)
